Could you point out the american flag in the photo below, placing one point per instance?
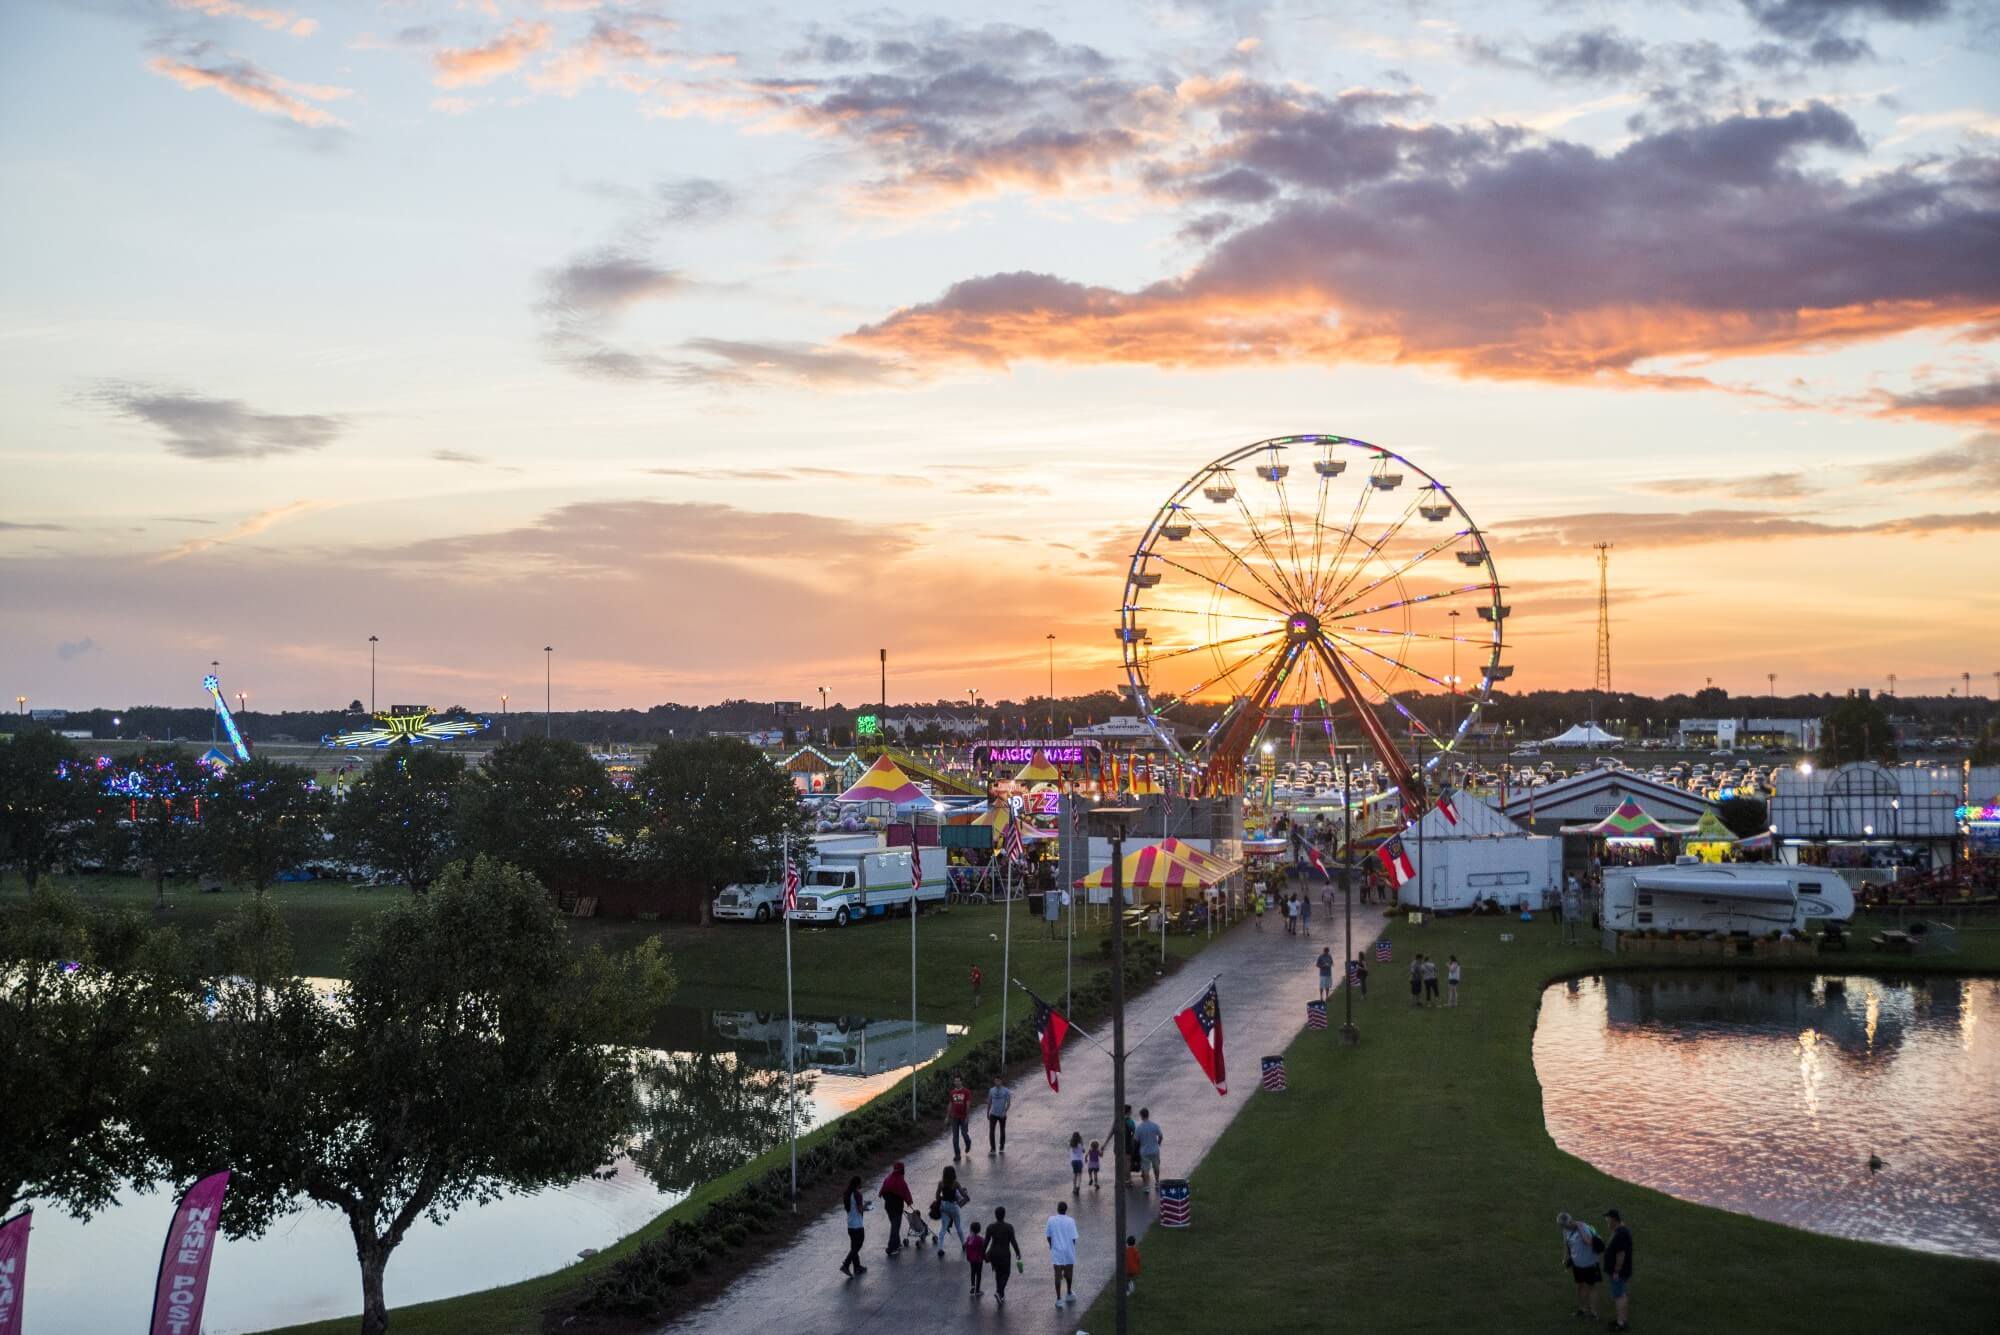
(1201, 1025)
(1274, 1074)
(916, 869)
(1016, 852)
(1315, 1015)
(791, 885)
(1384, 952)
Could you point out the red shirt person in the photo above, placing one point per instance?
(956, 1111)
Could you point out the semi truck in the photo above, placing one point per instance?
(763, 901)
(846, 886)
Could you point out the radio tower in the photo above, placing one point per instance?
(1603, 617)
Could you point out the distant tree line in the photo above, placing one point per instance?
(698, 815)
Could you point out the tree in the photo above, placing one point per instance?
(1986, 751)
(162, 832)
(261, 818)
(1856, 729)
(716, 811)
(1744, 816)
(401, 815)
(47, 801)
(545, 806)
(473, 1052)
(88, 996)
(703, 1114)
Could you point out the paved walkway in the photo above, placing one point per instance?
(1267, 978)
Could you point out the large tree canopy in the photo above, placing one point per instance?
(46, 802)
(262, 818)
(401, 816)
(1856, 729)
(472, 1052)
(716, 811)
(546, 807)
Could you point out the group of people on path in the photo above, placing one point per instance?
(1296, 909)
(994, 1245)
(1591, 1259)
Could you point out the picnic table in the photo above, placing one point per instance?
(1894, 943)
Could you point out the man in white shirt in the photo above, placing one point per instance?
(1061, 1235)
(998, 1100)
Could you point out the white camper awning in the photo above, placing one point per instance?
(1762, 890)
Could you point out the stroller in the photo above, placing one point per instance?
(917, 1230)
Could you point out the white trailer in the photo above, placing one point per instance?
(1479, 856)
(1724, 897)
(843, 887)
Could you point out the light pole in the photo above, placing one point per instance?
(214, 670)
(822, 716)
(1349, 1035)
(1052, 683)
(548, 690)
(503, 716)
(1114, 821)
(243, 702)
(21, 705)
(371, 673)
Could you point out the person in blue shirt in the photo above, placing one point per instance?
(1150, 1137)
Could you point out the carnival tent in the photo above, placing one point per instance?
(1710, 840)
(885, 782)
(1583, 734)
(1201, 858)
(1153, 870)
(1038, 770)
(1630, 821)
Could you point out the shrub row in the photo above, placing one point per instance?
(644, 1285)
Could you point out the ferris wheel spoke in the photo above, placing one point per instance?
(1374, 549)
(1199, 612)
(1187, 696)
(1407, 602)
(1391, 661)
(1216, 644)
(1418, 635)
(1322, 577)
(1291, 535)
(1389, 697)
(1226, 588)
(1277, 567)
(1239, 562)
(1399, 571)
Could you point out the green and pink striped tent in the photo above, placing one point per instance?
(1631, 821)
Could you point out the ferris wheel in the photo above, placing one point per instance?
(1304, 586)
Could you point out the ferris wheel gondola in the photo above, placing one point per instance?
(1320, 596)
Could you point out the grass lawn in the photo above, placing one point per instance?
(860, 970)
(1408, 1184)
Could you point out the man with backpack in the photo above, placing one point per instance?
(1581, 1248)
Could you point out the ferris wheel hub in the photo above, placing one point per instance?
(1301, 626)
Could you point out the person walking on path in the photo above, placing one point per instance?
(1581, 1247)
(1094, 1161)
(998, 1100)
(1452, 974)
(1076, 1163)
(1131, 1264)
(1257, 902)
(1306, 915)
(857, 1228)
(896, 1198)
(977, 979)
(949, 1197)
(1430, 981)
(1150, 1138)
(1618, 1269)
(1417, 981)
(958, 1107)
(1361, 973)
(1325, 963)
(1061, 1236)
(975, 1258)
(1000, 1242)
(1131, 1132)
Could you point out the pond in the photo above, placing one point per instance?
(718, 1100)
(1767, 1094)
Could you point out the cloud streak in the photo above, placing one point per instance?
(195, 427)
(247, 528)
(248, 85)
(473, 66)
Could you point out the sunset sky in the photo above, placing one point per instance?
(719, 345)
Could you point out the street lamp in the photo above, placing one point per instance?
(503, 716)
(1052, 683)
(214, 737)
(21, 705)
(1349, 1034)
(372, 640)
(548, 690)
(1113, 822)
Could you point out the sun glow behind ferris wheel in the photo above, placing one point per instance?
(1313, 583)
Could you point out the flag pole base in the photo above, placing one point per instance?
(1350, 1036)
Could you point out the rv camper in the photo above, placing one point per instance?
(1749, 897)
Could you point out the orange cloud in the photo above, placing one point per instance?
(277, 20)
(254, 88)
(472, 66)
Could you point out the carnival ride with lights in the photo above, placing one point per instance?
(408, 724)
(239, 746)
(1292, 606)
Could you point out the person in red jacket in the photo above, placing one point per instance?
(896, 1198)
(956, 1111)
(977, 979)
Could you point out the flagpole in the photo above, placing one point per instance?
(916, 884)
(1006, 956)
(1348, 1033)
(791, 1032)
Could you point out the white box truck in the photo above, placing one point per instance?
(843, 887)
(763, 902)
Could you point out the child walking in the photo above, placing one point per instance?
(1131, 1262)
(975, 1258)
(1076, 1164)
(1095, 1159)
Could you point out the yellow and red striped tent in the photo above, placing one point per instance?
(1200, 857)
(1038, 770)
(1153, 868)
(884, 782)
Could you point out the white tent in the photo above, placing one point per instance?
(1583, 734)
(1482, 855)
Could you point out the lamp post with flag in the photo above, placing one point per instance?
(791, 1019)
(1017, 858)
(1114, 822)
(1349, 1035)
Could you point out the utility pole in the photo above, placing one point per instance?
(371, 673)
(548, 690)
(1892, 683)
(884, 653)
(1052, 683)
(214, 670)
(1603, 682)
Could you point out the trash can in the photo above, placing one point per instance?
(1274, 1074)
(1174, 1202)
(1035, 905)
(1315, 1015)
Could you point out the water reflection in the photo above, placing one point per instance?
(1767, 1094)
(715, 1096)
